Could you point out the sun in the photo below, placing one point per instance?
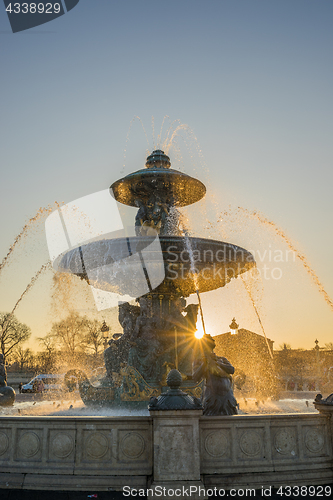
(199, 333)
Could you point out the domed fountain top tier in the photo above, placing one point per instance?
(176, 188)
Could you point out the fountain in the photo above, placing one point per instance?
(174, 448)
(158, 332)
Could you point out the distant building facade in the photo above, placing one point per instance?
(305, 369)
(290, 369)
(250, 354)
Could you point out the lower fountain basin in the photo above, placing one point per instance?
(116, 265)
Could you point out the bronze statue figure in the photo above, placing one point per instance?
(218, 397)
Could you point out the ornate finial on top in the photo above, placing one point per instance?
(158, 159)
(104, 327)
(174, 379)
(174, 399)
(233, 325)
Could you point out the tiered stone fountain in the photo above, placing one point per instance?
(179, 450)
(158, 332)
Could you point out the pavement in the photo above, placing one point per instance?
(47, 396)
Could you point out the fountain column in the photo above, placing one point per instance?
(177, 441)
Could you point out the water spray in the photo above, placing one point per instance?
(30, 284)
(190, 252)
(259, 319)
(40, 213)
(201, 313)
(266, 222)
(176, 348)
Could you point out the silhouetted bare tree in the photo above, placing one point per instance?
(12, 333)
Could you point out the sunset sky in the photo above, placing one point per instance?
(252, 79)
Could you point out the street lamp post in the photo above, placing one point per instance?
(105, 331)
(317, 365)
(233, 327)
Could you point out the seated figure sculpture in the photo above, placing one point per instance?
(218, 397)
(146, 348)
(120, 345)
(183, 319)
(155, 217)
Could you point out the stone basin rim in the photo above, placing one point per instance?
(197, 244)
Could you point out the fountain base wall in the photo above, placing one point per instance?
(107, 453)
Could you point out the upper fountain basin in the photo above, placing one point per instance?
(174, 187)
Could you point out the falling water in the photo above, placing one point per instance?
(28, 287)
(70, 293)
(263, 220)
(193, 272)
(170, 142)
(41, 213)
(230, 215)
(169, 130)
(173, 131)
(181, 127)
(31, 284)
(153, 130)
(258, 316)
(165, 117)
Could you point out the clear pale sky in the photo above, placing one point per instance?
(253, 79)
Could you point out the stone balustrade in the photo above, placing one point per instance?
(106, 453)
(76, 453)
(270, 450)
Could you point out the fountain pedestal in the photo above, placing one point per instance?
(177, 452)
(176, 440)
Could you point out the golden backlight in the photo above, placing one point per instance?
(199, 333)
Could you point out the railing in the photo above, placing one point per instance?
(75, 453)
(266, 450)
(104, 453)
